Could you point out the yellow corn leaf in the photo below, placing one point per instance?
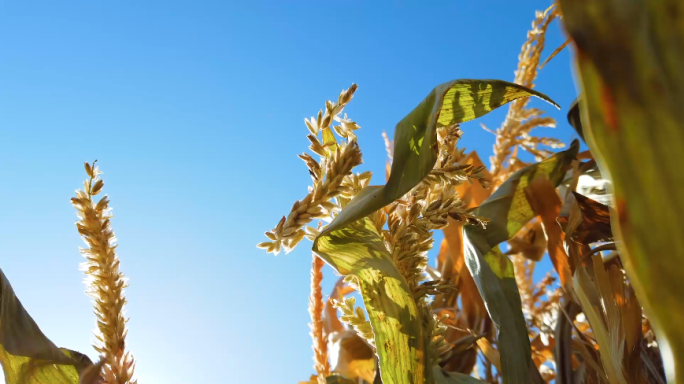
(359, 250)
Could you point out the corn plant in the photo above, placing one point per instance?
(477, 316)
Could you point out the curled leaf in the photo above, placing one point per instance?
(415, 138)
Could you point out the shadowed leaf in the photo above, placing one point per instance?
(359, 250)
(563, 346)
(415, 138)
(27, 356)
(574, 118)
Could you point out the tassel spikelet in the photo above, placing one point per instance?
(337, 162)
(514, 132)
(320, 347)
(105, 283)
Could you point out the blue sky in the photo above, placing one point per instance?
(194, 110)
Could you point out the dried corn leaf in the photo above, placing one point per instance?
(531, 243)
(541, 351)
(585, 220)
(444, 261)
(474, 194)
(351, 356)
(604, 318)
(490, 352)
(544, 200)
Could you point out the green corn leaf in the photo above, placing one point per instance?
(630, 57)
(508, 210)
(359, 250)
(27, 356)
(415, 138)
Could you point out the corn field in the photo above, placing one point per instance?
(609, 311)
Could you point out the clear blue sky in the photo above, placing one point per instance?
(195, 112)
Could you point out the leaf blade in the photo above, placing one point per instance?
(359, 250)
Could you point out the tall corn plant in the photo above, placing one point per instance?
(478, 316)
(379, 235)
